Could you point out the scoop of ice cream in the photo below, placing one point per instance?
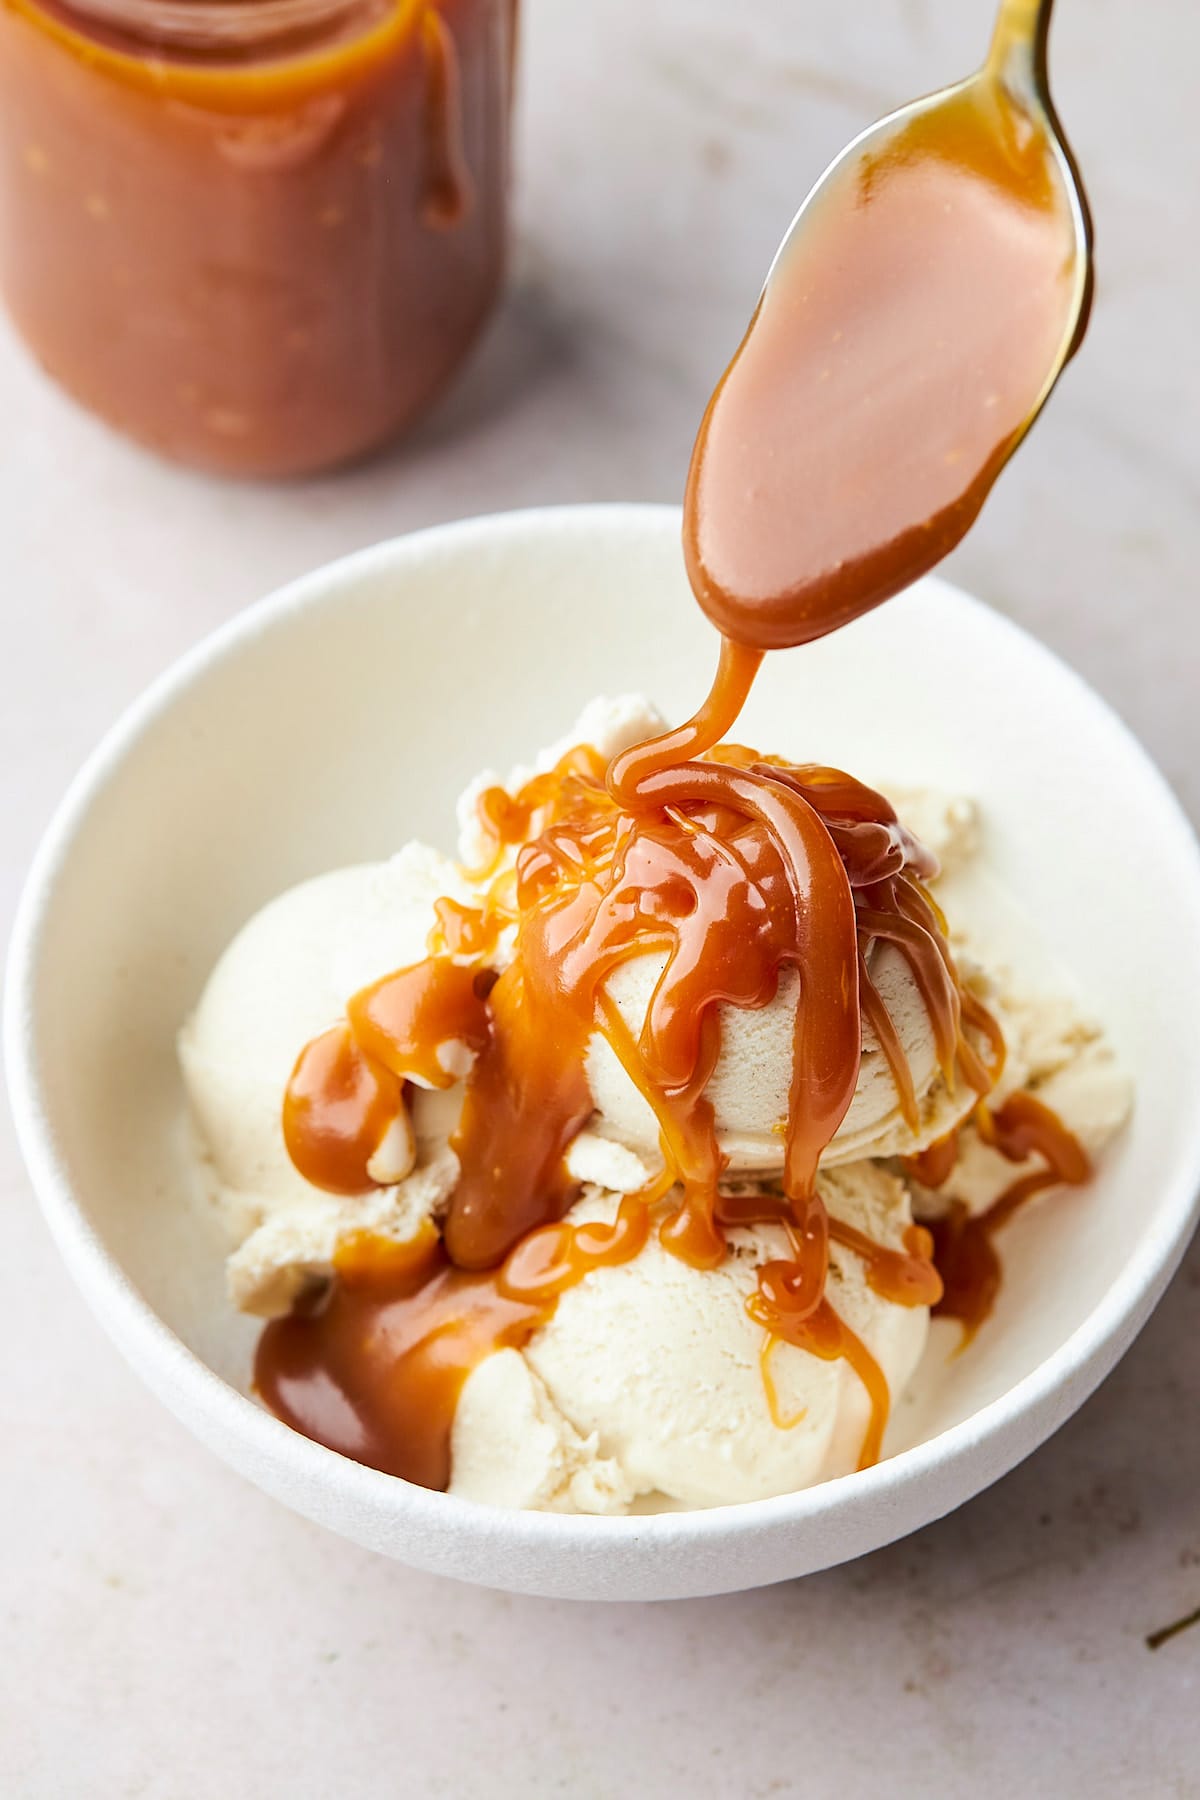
(272, 990)
(749, 1087)
(512, 1447)
(656, 1366)
(285, 978)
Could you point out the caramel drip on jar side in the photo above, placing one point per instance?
(374, 1367)
(449, 191)
(964, 1247)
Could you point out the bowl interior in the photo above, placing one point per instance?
(330, 727)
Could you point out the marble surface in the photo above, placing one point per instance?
(168, 1631)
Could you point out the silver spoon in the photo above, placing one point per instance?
(921, 308)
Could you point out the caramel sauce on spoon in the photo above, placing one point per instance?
(911, 328)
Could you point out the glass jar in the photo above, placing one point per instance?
(257, 235)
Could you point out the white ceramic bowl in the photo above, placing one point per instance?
(342, 716)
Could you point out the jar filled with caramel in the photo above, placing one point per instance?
(257, 235)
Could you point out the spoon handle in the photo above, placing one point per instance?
(1018, 48)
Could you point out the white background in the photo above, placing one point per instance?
(167, 1631)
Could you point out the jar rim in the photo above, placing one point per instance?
(218, 28)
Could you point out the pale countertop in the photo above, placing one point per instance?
(168, 1631)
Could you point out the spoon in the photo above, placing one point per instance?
(922, 306)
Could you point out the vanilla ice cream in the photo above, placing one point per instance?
(658, 1366)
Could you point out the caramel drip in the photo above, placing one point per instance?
(548, 1262)
(766, 1358)
(964, 1247)
(449, 191)
(337, 1110)
(506, 819)
(977, 1017)
(791, 1305)
(348, 1084)
(905, 1277)
(414, 1021)
(689, 1141)
(880, 1020)
(730, 690)
(822, 1332)
(936, 1163)
(526, 1099)
(465, 933)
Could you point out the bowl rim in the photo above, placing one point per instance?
(223, 1416)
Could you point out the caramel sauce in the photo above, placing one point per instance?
(348, 1084)
(766, 1366)
(934, 1165)
(822, 1332)
(906, 1277)
(896, 356)
(338, 1107)
(791, 1305)
(964, 1247)
(413, 1021)
(466, 933)
(374, 1365)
